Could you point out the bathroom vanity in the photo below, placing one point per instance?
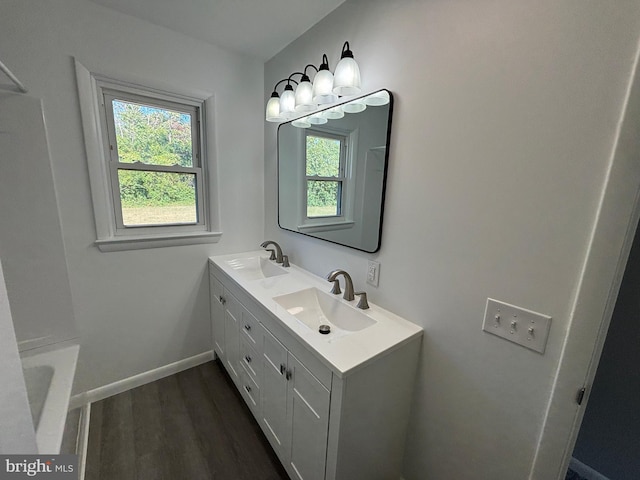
(333, 406)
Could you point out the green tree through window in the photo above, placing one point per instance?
(324, 174)
(155, 156)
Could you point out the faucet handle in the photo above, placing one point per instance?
(285, 261)
(273, 253)
(362, 303)
(336, 287)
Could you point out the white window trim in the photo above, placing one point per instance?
(108, 238)
(326, 226)
(345, 219)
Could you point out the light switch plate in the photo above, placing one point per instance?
(373, 273)
(518, 325)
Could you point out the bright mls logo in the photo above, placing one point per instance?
(52, 467)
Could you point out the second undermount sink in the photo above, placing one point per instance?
(314, 308)
(254, 268)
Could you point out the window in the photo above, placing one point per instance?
(325, 174)
(154, 161)
(147, 165)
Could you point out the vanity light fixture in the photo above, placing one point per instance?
(277, 109)
(287, 102)
(304, 93)
(324, 89)
(323, 84)
(347, 76)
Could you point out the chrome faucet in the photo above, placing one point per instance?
(348, 283)
(266, 243)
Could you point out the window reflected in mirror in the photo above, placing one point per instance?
(332, 170)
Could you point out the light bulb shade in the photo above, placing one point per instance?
(377, 99)
(301, 122)
(304, 97)
(355, 106)
(273, 110)
(287, 103)
(334, 113)
(317, 119)
(347, 77)
(323, 88)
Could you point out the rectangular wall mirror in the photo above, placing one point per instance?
(332, 169)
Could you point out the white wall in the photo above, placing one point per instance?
(137, 310)
(504, 122)
(31, 244)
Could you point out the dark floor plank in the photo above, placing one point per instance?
(243, 433)
(186, 459)
(192, 425)
(94, 445)
(149, 433)
(211, 433)
(117, 453)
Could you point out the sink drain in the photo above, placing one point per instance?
(324, 329)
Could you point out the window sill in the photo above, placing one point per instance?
(138, 242)
(321, 227)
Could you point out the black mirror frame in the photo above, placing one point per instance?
(384, 182)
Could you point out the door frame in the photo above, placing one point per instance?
(596, 292)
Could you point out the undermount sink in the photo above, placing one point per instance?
(314, 308)
(255, 268)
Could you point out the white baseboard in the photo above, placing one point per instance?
(585, 470)
(120, 386)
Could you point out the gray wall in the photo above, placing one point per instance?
(136, 310)
(608, 439)
(504, 121)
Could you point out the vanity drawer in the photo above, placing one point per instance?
(250, 391)
(250, 360)
(250, 328)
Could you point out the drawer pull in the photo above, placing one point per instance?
(247, 388)
(289, 374)
(282, 368)
(222, 300)
(247, 327)
(247, 358)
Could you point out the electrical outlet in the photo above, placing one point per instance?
(373, 273)
(518, 325)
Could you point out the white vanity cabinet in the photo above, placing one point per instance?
(236, 335)
(295, 411)
(323, 421)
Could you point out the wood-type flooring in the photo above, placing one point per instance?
(190, 426)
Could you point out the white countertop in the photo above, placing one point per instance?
(343, 354)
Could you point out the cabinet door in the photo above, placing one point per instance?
(308, 419)
(216, 294)
(274, 394)
(232, 317)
